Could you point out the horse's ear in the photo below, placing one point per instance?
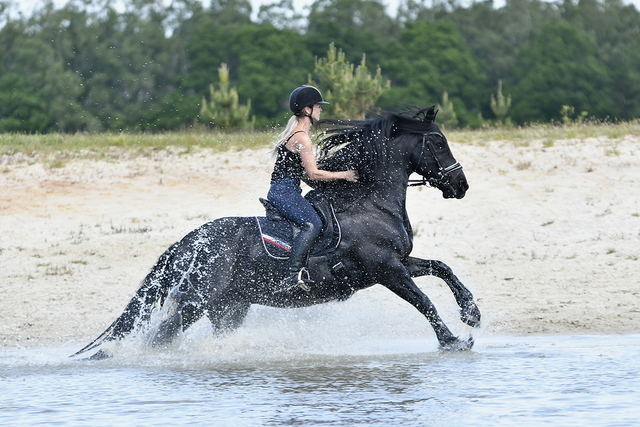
(430, 114)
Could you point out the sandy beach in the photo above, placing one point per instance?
(547, 238)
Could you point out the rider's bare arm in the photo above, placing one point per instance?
(304, 147)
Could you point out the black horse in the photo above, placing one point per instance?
(224, 266)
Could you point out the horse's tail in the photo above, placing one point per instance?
(151, 294)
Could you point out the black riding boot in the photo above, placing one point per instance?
(301, 247)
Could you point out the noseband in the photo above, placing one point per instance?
(445, 175)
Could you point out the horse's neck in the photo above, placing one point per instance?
(381, 212)
(383, 187)
(390, 187)
(391, 198)
(382, 196)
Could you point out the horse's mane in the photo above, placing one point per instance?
(364, 145)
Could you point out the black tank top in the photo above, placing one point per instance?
(288, 164)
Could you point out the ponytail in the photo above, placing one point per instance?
(291, 125)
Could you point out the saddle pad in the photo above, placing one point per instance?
(277, 237)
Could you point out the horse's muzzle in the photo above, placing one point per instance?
(456, 189)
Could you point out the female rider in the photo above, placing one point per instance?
(295, 158)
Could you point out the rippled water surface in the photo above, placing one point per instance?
(542, 380)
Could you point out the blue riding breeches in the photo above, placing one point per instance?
(286, 195)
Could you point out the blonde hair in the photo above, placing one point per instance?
(291, 125)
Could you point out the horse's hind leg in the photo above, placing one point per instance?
(228, 313)
(181, 309)
(469, 312)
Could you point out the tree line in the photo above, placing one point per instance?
(150, 67)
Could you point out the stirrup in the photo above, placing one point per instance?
(304, 282)
(295, 279)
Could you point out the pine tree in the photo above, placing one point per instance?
(501, 106)
(350, 92)
(447, 114)
(223, 110)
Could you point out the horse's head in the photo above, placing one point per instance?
(380, 148)
(432, 158)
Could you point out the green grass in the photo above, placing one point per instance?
(546, 133)
(59, 148)
(55, 150)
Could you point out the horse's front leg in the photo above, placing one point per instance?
(399, 282)
(469, 312)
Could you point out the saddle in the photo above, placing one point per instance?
(277, 232)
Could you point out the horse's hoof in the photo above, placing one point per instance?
(470, 315)
(100, 355)
(458, 345)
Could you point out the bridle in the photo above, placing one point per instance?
(445, 175)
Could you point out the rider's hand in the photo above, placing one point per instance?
(351, 176)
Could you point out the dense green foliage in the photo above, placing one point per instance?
(88, 67)
(350, 91)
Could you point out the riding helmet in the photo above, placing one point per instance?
(304, 96)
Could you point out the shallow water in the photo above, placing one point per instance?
(505, 380)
